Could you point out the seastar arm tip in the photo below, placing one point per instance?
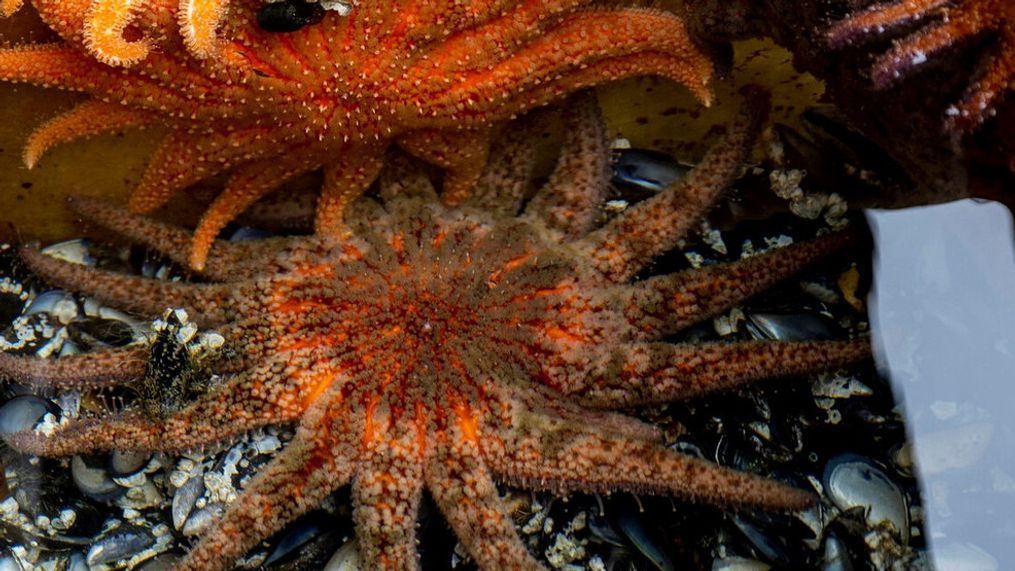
(641, 373)
(209, 303)
(475, 511)
(310, 468)
(581, 459)
(630, 241)
(103, 32)
(86, 119)
(199, 20)
(663, 305)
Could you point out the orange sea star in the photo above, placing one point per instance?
(958, 21)
(443, 349)
(102, 26)
(434, 77)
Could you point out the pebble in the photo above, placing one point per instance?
(125, 463)
(77, 251)
(853, 481)
(91, 477)
(791, 326)
(119, 544)
(56, 303)
(646, 170)
(345, 559)
(24, 413)
(185, 499)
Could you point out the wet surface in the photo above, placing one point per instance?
(942, 312)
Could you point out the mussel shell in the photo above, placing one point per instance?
(289, 16)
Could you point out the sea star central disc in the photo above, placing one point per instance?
(445, 349)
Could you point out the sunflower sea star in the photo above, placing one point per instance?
(434, 77)
(959, 21)
(445, 348)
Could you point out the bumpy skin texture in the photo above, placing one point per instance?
(445, 349)
(950, 23)
(907, 121)
(434, 77)
(123, 32)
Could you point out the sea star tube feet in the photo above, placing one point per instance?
(112, 31)
(445, 349)
(954, 23)
(436, 78)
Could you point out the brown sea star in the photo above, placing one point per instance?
(434, 77)
(958, 21)
(444, 349)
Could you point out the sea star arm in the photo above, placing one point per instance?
(65, 67)
(879, 17)
(485, 40)
(241, 403)
(548, 403)
(198, 22)
(462, 153)
(570, 459)
(208, 303)
(403, 176)
(456, 16)
(76, 372)
(318, 461)
(505, 180)
(86, 119)
(9, 7)
(185, 157)
(629, 242)
(959, 21)
(247, 185)
(386, 492)
(991, 85)
(577, 187)
(346, 178)
(641, 373)
(663, 305)
(103, 32)
(465, 492)
(227, 261)
(908, 54)
(53, 64)
(583, 39)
